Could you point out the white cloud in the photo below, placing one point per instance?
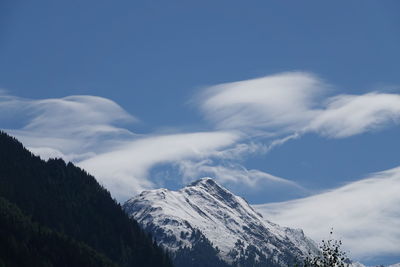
(347, 115)
(229, 173)
(364, 214)
(283, 100)
(68, 126)
(124, 169)
(82, 129)
(295, 103)
(86, 129)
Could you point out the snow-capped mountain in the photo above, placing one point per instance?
(208, 225)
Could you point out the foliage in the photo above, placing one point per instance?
(25, 243)
(67, 200)
(331, 255)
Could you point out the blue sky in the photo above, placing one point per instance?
(183, 89)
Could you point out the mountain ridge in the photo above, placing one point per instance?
(173, 217)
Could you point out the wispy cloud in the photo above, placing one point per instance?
(230, 173)
(283, 101)
(249, 117)
(347, 115)
(87, 131)
(124, 169)
(70, 126)
(295, 103)
(364, 214)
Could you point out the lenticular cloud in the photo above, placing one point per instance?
(295, 102)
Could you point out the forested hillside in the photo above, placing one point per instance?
(72, 207)
(24, 243)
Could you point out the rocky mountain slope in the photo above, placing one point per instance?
(204, 224)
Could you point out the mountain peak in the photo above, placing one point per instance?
(205, 182)
(204, 210)
(208, 186)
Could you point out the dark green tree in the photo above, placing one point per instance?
(24, 243)
(68, 201)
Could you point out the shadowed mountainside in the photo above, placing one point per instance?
(73, 209)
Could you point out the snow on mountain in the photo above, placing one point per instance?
(236, 232)
(356, 264)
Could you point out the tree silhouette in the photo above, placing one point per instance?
(331, 255)
(71, 205)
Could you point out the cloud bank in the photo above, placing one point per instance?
(365, 215)
(247, 117)
(87, 131)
